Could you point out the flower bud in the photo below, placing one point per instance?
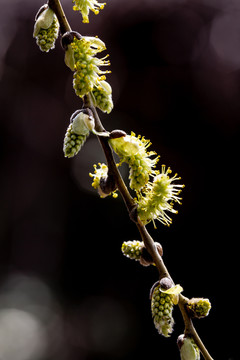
(132, 249)
(81, 122)
(198, 307)
(162, 307)
(188, 348)
(102, 95)
(137, 250)
(73, 142)
(46, 28)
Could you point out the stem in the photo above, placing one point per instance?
(151, 248)
(56, 6)
(190, 329)
(113, 170)
(129, 202)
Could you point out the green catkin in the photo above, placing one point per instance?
(102, 97)
(199, 307)
(133, 151)
(73, 142)
(162, 307)
(87, 74)
(46, 37)
(132, 249)
(139, 172)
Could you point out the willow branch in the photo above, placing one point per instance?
(56, 6)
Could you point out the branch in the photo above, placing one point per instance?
(58, 10)
(55, 5)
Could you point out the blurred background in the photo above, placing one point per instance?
(66, 291)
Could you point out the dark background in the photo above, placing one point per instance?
(66, 291)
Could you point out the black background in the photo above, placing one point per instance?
(172, 84)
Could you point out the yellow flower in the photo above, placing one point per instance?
(84, 6)
(85, 64)
(46, 29)
(159, 197)
(133, 151)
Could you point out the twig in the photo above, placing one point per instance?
(56, 6)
